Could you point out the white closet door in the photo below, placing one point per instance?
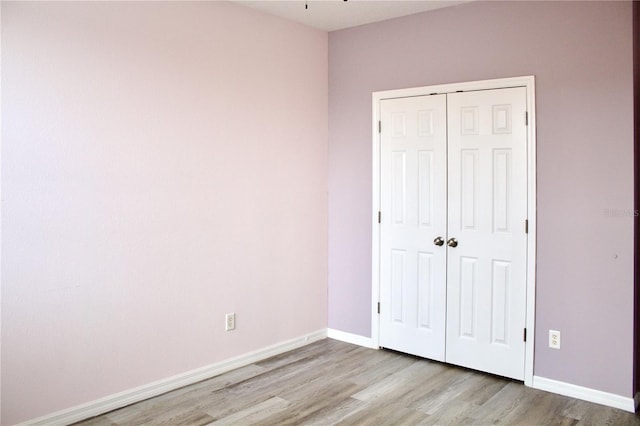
(487, 199)
(413, 205)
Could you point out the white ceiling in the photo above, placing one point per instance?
(331, 15)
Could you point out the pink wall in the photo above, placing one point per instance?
(162, 164)
(581, 55)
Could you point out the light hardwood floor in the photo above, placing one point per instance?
(331, 382)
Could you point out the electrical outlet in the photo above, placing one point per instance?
(554, 339)
(230, 322)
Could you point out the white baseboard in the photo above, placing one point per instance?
(355, 339)
(587, 394)
(122, 399)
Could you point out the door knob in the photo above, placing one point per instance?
(452, 242)
(438, 241)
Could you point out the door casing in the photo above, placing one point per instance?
(529, 83)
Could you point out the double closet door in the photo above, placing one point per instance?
(453, 243)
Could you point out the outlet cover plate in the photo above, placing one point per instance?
(554, 339)
(230, 322)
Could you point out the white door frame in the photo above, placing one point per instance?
(529, 83)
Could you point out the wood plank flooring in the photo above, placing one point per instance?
(335, 383)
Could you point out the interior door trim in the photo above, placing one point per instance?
(525, 81)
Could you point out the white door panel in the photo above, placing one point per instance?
(413, 205)
(487, 208)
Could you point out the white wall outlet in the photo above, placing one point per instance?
(230, 322)
(554, 339)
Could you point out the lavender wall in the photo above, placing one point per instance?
(581, 55)
(636, 157)
(163, 163)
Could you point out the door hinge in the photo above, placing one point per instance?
(378, 307)
(379, 217)
(379, 126)
(526, 118)
(526, 226)
(525, 335)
